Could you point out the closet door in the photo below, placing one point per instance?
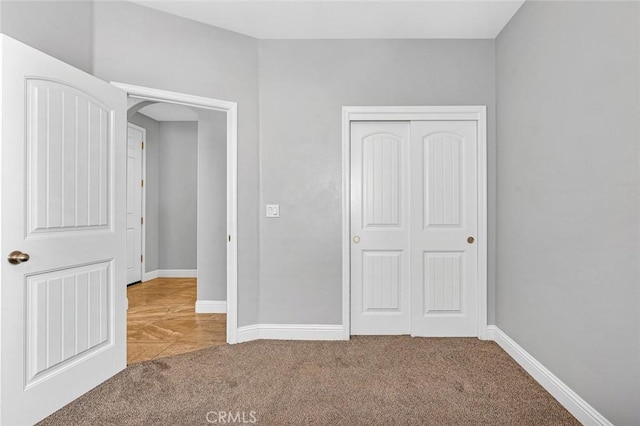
(444, 207)
(380, 226)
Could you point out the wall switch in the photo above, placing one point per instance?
(273, 210)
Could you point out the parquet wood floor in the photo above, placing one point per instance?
(161, 320)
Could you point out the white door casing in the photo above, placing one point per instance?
(444, 208)
(62, 160)
(135, 139)
(473, 114)
(380, 224)
(231, 109)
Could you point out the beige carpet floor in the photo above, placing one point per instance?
(366, 381)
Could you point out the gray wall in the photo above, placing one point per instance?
(152, 181)
(567, 290)
(303, 87)
(63, 29)
(212, 202)
(141, 46)
(178, 184)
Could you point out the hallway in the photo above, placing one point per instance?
(161, 320)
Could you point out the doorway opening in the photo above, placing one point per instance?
(176, 164)
(211, 114)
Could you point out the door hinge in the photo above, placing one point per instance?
(142, 147)
(142, 221)
(229, 238)
(142, 182)
(141, 258)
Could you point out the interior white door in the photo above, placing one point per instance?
(135, 139)
(62, 172)
(380, 227)
(444, 225)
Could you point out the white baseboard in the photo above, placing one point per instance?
(248, 333)
(170, 273)
(570, 400)
(211, 306)
(148, 276)
(177, 273)
(291, 332)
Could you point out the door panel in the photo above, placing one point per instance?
(67, 162)
(67, 315)
(62, 162)
(442, 187)
(443, 215)
(442, 282)
(381, 155)
(380, 220)
(135, 137)
(381, 271)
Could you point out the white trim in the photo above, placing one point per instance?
(346, 223)
(578, 407)
(177, 273)
(143, 200)
(148, 276)
(248, 333)
(408, 113)
(483, 296)
(231, 108)
(157, 95)
(170, 273)
(143, 249)
(211, 306)
(232, 224)
(291, 332)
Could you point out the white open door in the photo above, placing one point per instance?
(62, 176)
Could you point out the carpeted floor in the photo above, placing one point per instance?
(366, 381)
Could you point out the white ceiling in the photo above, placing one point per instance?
(169, 112)
(348, 19)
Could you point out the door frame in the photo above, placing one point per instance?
(231, 109)
(415, 113)
(143, 207)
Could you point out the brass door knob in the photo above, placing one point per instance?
(356, 239)
(470, 240)
(17, 257)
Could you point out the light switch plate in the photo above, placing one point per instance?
(273, 210)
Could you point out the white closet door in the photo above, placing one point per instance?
(380, 228)
(444, 291)
(134, 203)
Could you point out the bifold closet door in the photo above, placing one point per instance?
(380, 224)
(444, 208)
